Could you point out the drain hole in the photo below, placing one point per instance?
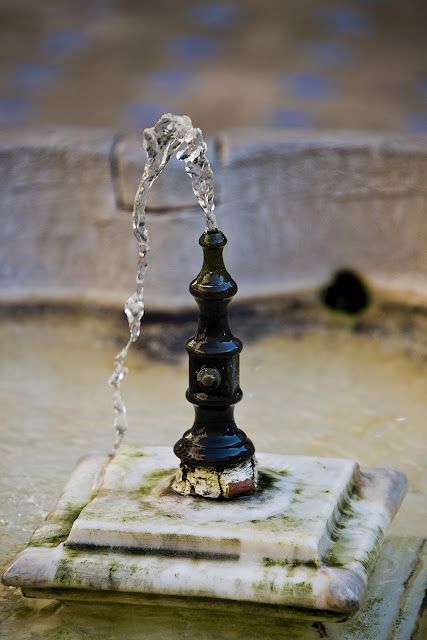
(346, 293)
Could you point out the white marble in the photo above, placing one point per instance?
(290, 520)
(304, 543)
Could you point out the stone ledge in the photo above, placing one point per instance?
(309, 203)
(337, 166)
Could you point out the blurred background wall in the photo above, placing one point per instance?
(281, 63)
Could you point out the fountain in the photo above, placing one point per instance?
(288, 536)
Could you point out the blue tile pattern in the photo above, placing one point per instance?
(178, 81)
(346, 21)
(329, 53)
(308, 86)
(416, 123)
(138, 115)
(215, 15)
(121, 63)
(290, 118)
(64, 42)
(14, 110)
(193, 48)
(32, 75)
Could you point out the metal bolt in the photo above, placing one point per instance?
(209, 377)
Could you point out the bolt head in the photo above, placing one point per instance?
(209, 378)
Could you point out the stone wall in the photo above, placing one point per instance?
(296, 207)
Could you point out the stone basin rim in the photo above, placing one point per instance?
(336, 200)
(97, 301)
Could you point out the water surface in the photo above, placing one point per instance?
(312, 385)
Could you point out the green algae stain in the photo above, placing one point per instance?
(339, 554)
(300, 590)
(265, 481)
(65, 574)
(112, 580)
(370, 556)
(271, 562)
(150, 480)
(57, 525)
(370, 618)
(125, 458)
(273, 587)
(22, 611)
(49, 541)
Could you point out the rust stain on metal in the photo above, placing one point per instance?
(242, 488)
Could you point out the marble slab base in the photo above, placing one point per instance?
(303, 545)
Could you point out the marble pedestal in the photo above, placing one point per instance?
(303, 545)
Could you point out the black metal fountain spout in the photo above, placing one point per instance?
(214, 440)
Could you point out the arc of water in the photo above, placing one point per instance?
(160, 142)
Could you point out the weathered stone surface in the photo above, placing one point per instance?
(296, 206)
(391, 610)
(280, 547)
(305, 204)
(172, 189)
(62, 238)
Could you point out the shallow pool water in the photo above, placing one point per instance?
(313, 384)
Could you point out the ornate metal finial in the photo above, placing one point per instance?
(217, 458)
